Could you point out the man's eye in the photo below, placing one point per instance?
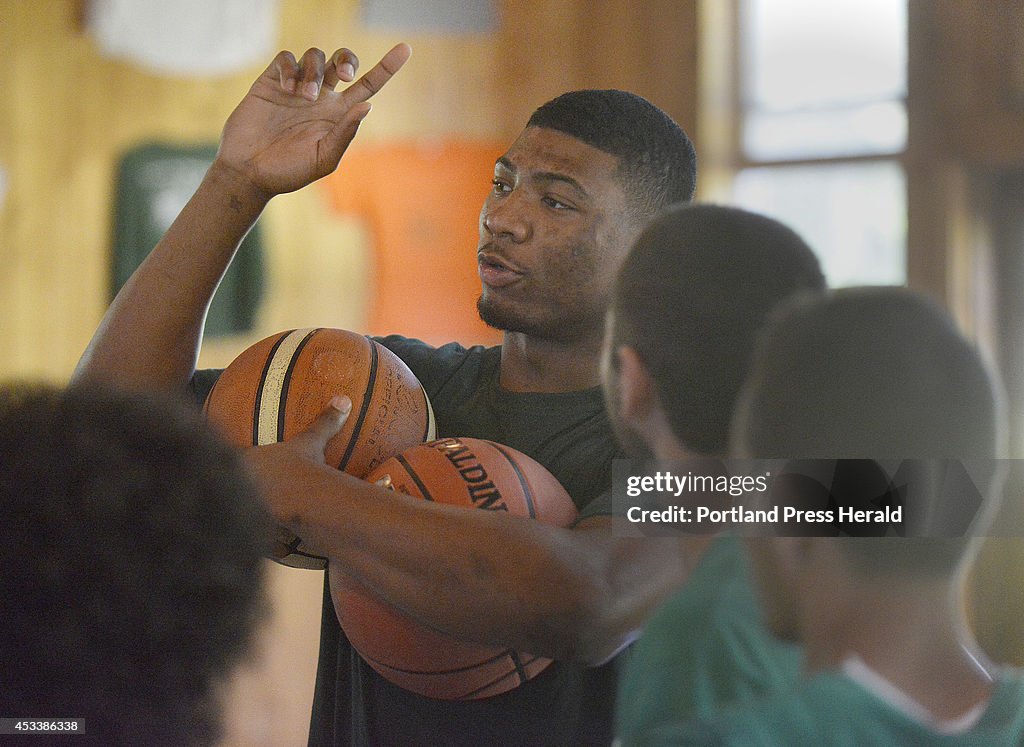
(554, 202)
(500, 187)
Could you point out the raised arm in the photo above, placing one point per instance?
(291, 129)
(572, 594)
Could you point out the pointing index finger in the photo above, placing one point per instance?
(378, 75)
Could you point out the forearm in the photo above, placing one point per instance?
(290, 129)
(489, 577)
(476, 575)
(150, 336)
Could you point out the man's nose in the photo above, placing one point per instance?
(507, 217)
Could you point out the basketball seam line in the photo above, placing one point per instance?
(456, 670)
(257, 406)
(518, 664)
(286, 382)
(492, 683)
(527, 493)
(371, 385)
(415, 478)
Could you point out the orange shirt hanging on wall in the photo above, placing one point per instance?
(421, 202)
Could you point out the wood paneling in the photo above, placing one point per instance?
(68, 113)
(966, 117)
(548, 47)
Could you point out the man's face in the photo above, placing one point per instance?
(553, 232)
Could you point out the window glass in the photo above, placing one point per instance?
(823, 78)
(852, 214)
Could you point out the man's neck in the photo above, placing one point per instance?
(532, 364)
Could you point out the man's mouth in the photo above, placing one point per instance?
(495, 271)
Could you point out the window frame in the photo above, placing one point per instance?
(726, 156)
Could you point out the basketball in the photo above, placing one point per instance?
(277, 387)
(471, 473)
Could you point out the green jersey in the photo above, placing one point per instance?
(832, 710)
(705, 648)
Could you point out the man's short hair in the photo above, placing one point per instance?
(872, 373)
(131, 549)
(691, 298)
(657, 161)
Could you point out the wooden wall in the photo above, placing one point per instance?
(965, 169)
(68, 114)
(966, 116)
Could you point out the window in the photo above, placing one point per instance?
(822, 128)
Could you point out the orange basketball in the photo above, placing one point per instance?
(467, 472)
(278, 386)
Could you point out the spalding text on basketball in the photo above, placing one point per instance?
(482, 492)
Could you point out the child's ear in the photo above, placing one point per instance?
(636, 391)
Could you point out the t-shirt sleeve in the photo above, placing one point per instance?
(434, 367)
(600, 506)
(202, 382)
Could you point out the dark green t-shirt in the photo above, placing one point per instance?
(565, 705)
(831, 710)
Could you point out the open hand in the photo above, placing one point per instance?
(293, 127)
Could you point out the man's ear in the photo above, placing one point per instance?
(637, 395)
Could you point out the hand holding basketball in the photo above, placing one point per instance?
(275, 465)
(280, 390)
(312, 442)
